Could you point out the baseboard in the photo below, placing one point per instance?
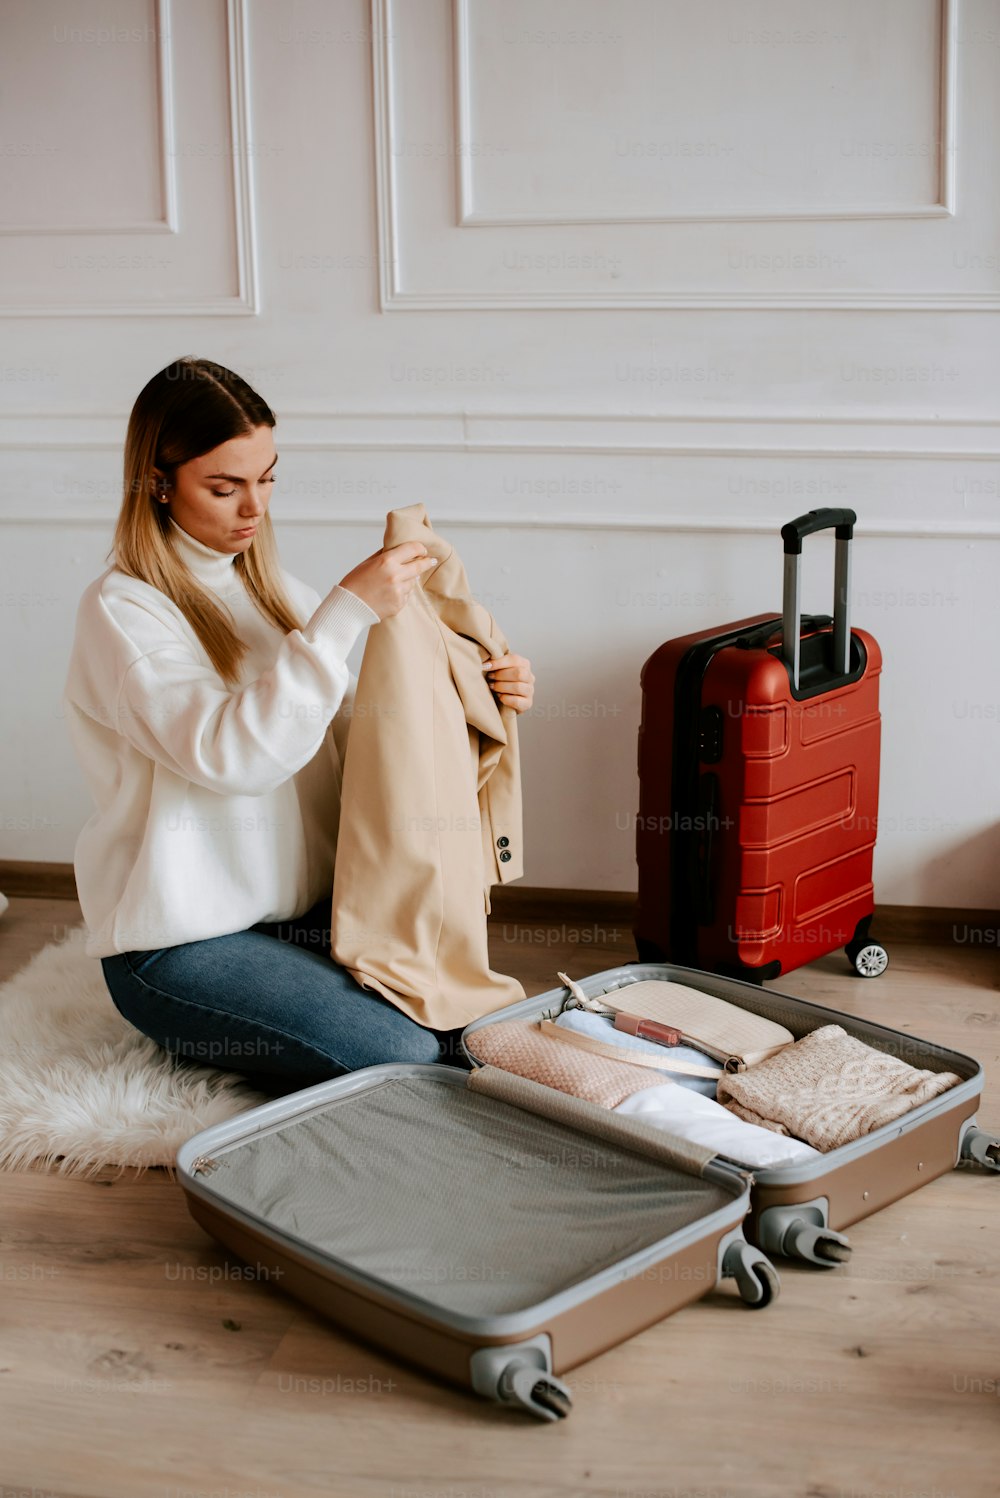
(593, 916)
(37, 881)
(937, 926)
(581, 909)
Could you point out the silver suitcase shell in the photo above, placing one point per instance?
(513, 1352)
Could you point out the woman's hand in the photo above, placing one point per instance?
(385, 580)
(512, 680)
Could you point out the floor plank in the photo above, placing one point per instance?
(140, 1360)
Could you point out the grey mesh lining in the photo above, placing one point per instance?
(474, 1206)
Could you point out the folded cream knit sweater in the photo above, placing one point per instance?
(828, 1089)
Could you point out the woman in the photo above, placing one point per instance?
(208, 699)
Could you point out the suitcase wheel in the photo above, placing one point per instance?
(756, 1277)
(802, 1232)
(982, 1147)
(815, 1243)
(868, 958)
(520, 1374)
(535, 1390)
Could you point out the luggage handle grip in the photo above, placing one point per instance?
(842, 522)
(794, 533)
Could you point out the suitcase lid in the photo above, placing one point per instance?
(460, 1207)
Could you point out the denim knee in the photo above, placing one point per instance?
(116, 973)
(418, 1044)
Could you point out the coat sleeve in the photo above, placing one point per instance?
(341, 725)
(174, 709)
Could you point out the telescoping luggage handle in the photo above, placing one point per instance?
(793, 534)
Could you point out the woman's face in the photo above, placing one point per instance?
(221, 497)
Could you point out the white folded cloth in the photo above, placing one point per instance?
(699, 1119)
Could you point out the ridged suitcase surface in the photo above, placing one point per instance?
(799, 1210)
(758, 787)
(483, 1227)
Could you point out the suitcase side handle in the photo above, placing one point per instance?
(842, 522)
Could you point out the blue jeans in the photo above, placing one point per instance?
(270, 1003)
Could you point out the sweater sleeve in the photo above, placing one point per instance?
(172, 707)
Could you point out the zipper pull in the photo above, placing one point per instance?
(203, 1165)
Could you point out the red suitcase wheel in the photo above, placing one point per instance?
(868, 958)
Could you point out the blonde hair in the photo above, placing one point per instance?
(189, 408)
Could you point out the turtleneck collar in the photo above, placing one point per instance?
(213, 568)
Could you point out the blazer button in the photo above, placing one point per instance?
(502, 842)
(504, 856)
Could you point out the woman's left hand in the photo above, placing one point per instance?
(512, 680)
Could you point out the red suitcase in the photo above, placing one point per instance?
(758, 785)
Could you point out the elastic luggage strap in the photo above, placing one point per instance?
(620, 1053)
(590, 1118)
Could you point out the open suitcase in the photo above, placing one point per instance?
(758, 785)
(487, 1228)
(799, 1210)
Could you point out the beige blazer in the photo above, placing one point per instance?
(430, 811)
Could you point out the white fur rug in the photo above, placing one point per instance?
(81, 1088)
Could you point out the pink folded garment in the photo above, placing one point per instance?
(829, 1089)
(519, 1046)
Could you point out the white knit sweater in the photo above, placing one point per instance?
(215, 808)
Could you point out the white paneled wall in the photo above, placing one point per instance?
(614, 287)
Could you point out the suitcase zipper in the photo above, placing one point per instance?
(203, 1165)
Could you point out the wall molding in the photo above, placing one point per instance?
(738, 434)
(247, 300)
(943, 207)
(746, 301)
(394, 297)
(244, 208)
(769, 526)
(390, 290)
(167, 224)
(790, 441)
(787, 440)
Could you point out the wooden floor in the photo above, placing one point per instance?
(137, 1361)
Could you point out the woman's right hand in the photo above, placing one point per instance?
(385, 580)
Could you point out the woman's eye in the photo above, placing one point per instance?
(228, 493)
